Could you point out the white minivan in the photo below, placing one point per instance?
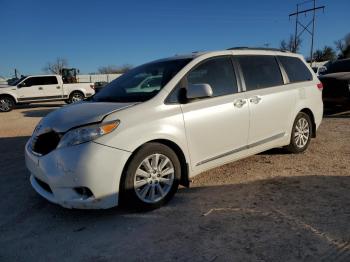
(135, 148)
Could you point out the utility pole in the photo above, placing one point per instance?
(306, 28)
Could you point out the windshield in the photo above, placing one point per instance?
(141, 83)
(15, 82)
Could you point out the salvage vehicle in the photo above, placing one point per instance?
(42, 88)
(336, 83)
(211, 108)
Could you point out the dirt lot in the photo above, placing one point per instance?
(269, 207)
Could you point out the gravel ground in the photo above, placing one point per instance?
(269, 207)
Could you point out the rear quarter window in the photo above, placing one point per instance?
(296, 69)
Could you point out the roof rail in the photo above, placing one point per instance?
(257, 48)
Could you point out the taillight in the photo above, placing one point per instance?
(320, 86)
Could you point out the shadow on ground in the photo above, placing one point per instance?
(39, 105)
(38, 112)
(301, 218)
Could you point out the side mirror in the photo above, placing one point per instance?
(23, 84)
(196, 91)
(322, 70)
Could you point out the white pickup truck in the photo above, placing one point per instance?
(42, 88)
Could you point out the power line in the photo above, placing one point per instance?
(306, 28)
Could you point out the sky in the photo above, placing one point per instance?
(91, 34)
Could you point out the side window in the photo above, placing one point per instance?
(49, 80)
(32, 81)
(41, 80)
(260, 71)
(295, 69)
(218, 73)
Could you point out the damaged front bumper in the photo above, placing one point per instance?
(84, 176)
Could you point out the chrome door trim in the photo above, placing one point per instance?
(266, 140)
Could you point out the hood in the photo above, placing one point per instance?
(4, 85)
(338, 76)
(79, 114)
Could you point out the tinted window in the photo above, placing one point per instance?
(129, 87)
(218, 73)
(49, 80)
(42, 80)
(296, 70)
(260, 71)
(339, 66)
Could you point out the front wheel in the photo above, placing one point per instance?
(301, 134)
(6, 104)
(151, 178)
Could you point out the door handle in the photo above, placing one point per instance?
(255, 99)
(40, 88)
(239, 103)
(58, 87)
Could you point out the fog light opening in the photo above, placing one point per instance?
(84, 192)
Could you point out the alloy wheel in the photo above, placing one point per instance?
(5, 104)
(76, 98)
(154, 178)
(302, 133)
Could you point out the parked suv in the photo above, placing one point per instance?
(211, 108)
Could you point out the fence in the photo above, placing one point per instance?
(97, 78)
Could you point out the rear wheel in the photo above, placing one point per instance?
(7, 103)
(74, 97)
(151, 178)
(301, 134)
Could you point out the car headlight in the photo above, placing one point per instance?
(87, 133)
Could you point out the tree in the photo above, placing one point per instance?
(56, 66)
(326, 54)
(329, 53)
(318, 55)
(290, 44)
(343, 47)
(112, 69)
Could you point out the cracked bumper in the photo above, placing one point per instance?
(55, 176)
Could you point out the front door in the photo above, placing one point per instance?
(30, 90)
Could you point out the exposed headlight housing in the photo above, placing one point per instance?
(87, 133)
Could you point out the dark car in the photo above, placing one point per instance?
(336, 83)
(100, 85)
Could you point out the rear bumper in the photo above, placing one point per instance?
(59, 175)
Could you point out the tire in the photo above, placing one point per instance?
(75, 96)
(300, 140)
(7, 103)
(148, 186)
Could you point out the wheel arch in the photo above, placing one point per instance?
(9, 95)
(312, 117)
(77, 91)
(184, 180)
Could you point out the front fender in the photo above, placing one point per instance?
(9, 93)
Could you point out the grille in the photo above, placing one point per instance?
(45, 143)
